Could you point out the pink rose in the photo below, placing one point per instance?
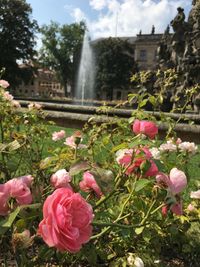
(58, 135)
(169, 146)
(4, 197)
(7, 96)
(71, 141)
(34, 106)
(164, 210)
(195, 194)
(89, 184)
(177, 208)
(134, 162)
(4, 83)
(61, 179)
(16, 104)
(176, 181)
(147, 128)
(189, 147)
(67, 220)
(190, 207)
(19, 190)
(124, 156)
(27, 179)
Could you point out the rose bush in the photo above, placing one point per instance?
(115, 194)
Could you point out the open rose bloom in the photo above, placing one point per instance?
(58, 135)
(4, 84)
(67, 219)
(75, 140)
(17, 188)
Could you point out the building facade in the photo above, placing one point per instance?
(146, 46)
(43, 84)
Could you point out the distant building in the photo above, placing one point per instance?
(145, 55)
(146, 46)
(43, 84)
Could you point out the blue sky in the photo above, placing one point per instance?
(110, 17)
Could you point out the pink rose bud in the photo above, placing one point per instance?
(163, 180)
(178, 141)
(178, 181)
(22, 240)
(177, 208)
(147, 128)
(190, 207)
(89, 184)
(60, 179)
(164, 210)
(4, 83)
(4, 197)
(195, 194)
(58, 135)
(67, 219)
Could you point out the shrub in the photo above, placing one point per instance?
(113, 195)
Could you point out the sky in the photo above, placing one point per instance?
(106, 18)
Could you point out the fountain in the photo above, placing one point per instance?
(86, 74)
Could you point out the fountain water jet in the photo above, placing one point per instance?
(86, 74)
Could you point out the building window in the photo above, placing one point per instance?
(143, 55)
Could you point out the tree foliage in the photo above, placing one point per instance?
(16, 37)
(61, 49)
(115, 64)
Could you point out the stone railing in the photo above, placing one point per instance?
(75, 116)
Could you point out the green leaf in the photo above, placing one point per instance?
(47, 162)
(121, 146)
(13, 145)
(78, 167)
(139, 230)
(140, 184)
(10, 147)
(7, 222)
(143, 102)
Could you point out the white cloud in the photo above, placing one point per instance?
(128, 17)
(78, 15)
(98, 4)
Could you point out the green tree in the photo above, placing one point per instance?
(17, 42)
(115, 64)
(61, 49)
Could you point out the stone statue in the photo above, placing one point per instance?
(153, 29)
(167, 30)
(178, 22)
(182, 48)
